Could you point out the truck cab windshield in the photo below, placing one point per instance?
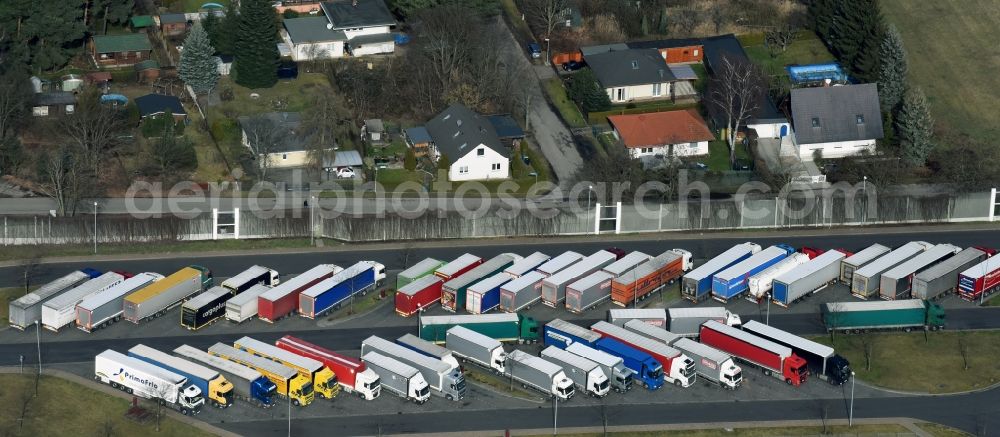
(566, 391)
(307, 389)
(736, 377)
(656, 373)
(423, 392)
(332, 382)
(460, 386)
(373, 384)
(603, 385)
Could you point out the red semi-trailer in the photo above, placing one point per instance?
(283, 299)
(980, 280)
(776, 360)
(352, 374)
(417, 295)
(458, 267)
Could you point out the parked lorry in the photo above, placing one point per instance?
(761, 284)
(417, 295)
(807, 278)
(712, 364)
(678, 369)
(585, 374)
(283, 299)
(159, 297)
(329, 294)
(422, 269)
(560, 333)
(453, 292)
(27, 310)
(640, 282)
(644, 367)
(484, 296)
(443, 379)
(821, 359)
(626, 263)
(938, 280)
(613, 367)
(588, 292)
(652, 316)
(471, 346)
(352, 374)
(980, 279)
(867, 316)
(287, 381)
(139, 378)
(559, 263)
(696, 285)
(458, 267)
(251, 277)
(205, 308)
(323, 379)
(526, 265)
(655, 333)
(104, 308)
(243, 306)
(427, 348)
(865, 281)
(554, 287)
(248, 384)
(216, 389)
(521, 293)
(539, 374)
(774, 359)
(61, 310)
(897, 282)
(398, 378)
(687, 321)
(734, 281)
(850, 264)
(503, 327)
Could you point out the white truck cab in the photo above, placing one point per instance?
(379, 272)
(686, 256)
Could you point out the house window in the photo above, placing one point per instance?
(696, 52)
(860, 118)
(40, 111)
(463, 169)
(646, 150)
(481, 152)
(69, 109)
(635, 65)
(496, 166)
(104, 56)
(284, 156)
(620, 93)
(657, 89)
(815, 122)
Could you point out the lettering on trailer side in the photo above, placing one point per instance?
(123, 374)
(709, 364)
(568, 341)
(216, 308)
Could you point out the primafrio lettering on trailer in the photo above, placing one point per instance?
(214, 387)
(145, 380)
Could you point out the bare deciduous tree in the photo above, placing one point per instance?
(779, 38)
(263, 137)
(93, 128)
(735, 92)
(868, 349)
(29, 269)
(25, 396)
(687, 19)
(15, 94)
(546, 14)
(67, 177)
(963, 349)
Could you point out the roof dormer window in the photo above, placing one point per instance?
(635, 65)
(860, 118)
(815, 121)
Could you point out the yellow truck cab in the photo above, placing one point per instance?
(220, 392)
(288, 382)
(324, 380)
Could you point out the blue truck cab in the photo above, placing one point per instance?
(561, 334)
(648, 371)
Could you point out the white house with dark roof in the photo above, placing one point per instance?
(631, 74)
(348, 27)
(311, 38)
(838, 120)
(471, 143)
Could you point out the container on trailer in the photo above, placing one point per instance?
(106, 307)
(711, 363)
(484, 296)
(554, 287)
(897, 282)
(696, 285)
(205, 308)
(941, 278)
(865, 282)
(444, 380)
(561, 334)
(643, 366)
(352, 375)
(427, 348)
(859, 259)
(980, 279)
(145, 380)
(652, 316)
(502, 327)
(27, 309)
(776, 360)
(613, 367)
(477, 348)
(735, 280)
(898, 314)
(216, 389)
(424, 268)
(248, 278)
(626, 263)
(540, 374)
(417, 295)
(329, 294)
(157, 298)
(61, 310)
(458, 267)
(248, 384)
(521, 293)
(323, 379)
(821, 358)
(559, 263)
(526, 265)
(288, 382)
(453, 292)
(807, 278)
(588, 292)
(763, 283)
(678, 369)
(638, 284)
(283, 300)
(398, 378)
(585, 374)
(687, 321)
(243, 306)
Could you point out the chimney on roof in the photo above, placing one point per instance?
(826, 82)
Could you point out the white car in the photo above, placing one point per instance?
(345, 173)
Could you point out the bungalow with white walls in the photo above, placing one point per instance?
(632, 74)
(471, 143)
(658, 135)
(347, 28)
(839, 120)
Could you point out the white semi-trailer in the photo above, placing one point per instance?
(145, 380)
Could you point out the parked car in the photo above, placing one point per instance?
(535, 50)
(345, 173)
(573, 65)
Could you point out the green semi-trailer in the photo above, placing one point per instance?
(867, 316)
(512, 327)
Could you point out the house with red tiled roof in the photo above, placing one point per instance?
(663, 134)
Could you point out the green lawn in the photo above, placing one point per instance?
(567, 108)
(805, 49)
(16, 253)
(954, 58)
(286, 95)
(938, 354)
(841, 430)
(390, 178)
(718, 155)
(62, 406)
(993, 301)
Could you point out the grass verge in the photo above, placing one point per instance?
(567, 108)
(718, 155)
(361, 305)
(762, 432)
(63, 405)
(18, 252)
(938, 430)
(940, 353)
(807, 48)
(480, 376)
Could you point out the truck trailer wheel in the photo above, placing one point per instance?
(449, 397)
(185, 411)
(295, 402)
(788, 381)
